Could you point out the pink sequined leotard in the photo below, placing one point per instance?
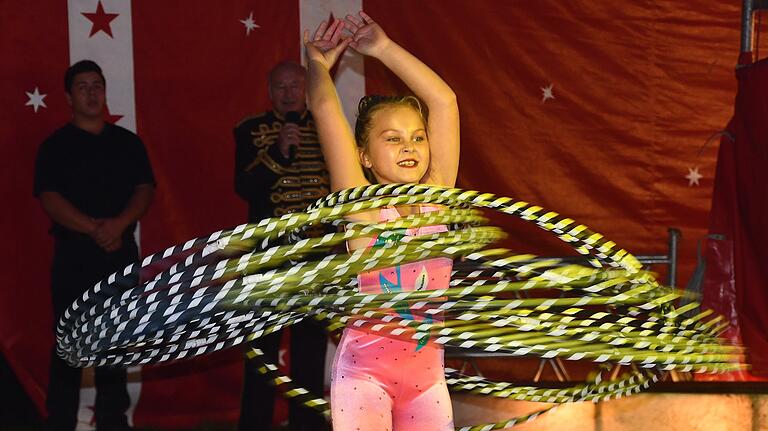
(385, 384)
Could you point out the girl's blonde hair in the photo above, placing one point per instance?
(369, 105)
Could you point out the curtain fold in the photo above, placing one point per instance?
(735, 283)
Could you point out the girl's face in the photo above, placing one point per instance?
(398, 149)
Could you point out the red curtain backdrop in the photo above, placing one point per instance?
(34, 49)
(638, 89)
(737, 255)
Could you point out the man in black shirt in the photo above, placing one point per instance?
(279, 169)
(94, 181)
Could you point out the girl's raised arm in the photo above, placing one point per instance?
(336, 138)
(443, 124)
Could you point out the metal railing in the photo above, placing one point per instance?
(748, 9)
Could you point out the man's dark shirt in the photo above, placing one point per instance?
(95, 173)
(271, 184)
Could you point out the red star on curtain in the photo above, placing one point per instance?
(101, 20)
(110, 118)
(92, 422)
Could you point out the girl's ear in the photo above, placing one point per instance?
(364, 159)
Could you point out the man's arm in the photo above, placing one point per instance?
(50, 179)
(244, 156)
(255, 172)
(62, 212)
(138, 204)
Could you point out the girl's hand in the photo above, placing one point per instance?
(368, 38)
(327, 44)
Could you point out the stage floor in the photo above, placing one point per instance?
(697, 407)
(647, 411)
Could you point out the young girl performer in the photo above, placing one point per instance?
(380, 383)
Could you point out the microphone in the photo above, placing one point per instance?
(292, 117)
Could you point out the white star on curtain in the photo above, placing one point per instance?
(249, 24)
(35, 100)
(546, 93)
(693, 176)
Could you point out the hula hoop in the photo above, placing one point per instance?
(237, 285)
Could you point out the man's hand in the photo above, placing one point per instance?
(108, 234)
(289, 137)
